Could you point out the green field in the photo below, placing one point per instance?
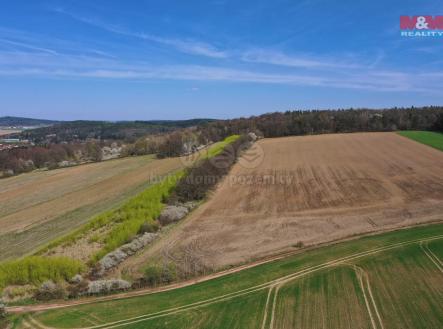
(433, 139)
(407, 287)
(384, 281)
(331, 296)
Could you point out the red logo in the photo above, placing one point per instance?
(421, 22)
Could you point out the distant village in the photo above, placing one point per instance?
(8, 143)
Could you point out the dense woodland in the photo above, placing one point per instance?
(83, 141)
(292, 123)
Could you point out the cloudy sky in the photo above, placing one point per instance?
(180, 59)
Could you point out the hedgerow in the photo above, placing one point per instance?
(205, 174)
(129, 219)
(220, 146)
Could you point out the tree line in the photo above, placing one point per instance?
(185, 140)
(25, 159)
(293, 123)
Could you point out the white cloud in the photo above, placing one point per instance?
(75, 61)
(278, 58)
(27, 46)
(187, 46)
(75, 66)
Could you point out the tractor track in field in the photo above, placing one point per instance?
(363, 278)
(434, 259)
(265, 315)
(277, 283)
(433, 254)
(274, 305)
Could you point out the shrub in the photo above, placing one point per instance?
(149, 227)
(35, 270)
(153, 275)
(77, 289)
(50, 290)
(156, 274)
(15, 293)
(2, 311)
(169, 273)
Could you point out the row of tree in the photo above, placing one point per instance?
(173, 144)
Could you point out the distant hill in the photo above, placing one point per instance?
(9, 121)
(120, 130)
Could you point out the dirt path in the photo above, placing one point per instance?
(274, 283)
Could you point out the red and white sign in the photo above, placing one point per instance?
(421, 26)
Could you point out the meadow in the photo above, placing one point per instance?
(386, 277)
(431, 138)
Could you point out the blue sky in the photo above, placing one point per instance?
(122, 60)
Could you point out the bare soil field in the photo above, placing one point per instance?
(8, 131)
(308, 190)
(39, 206)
